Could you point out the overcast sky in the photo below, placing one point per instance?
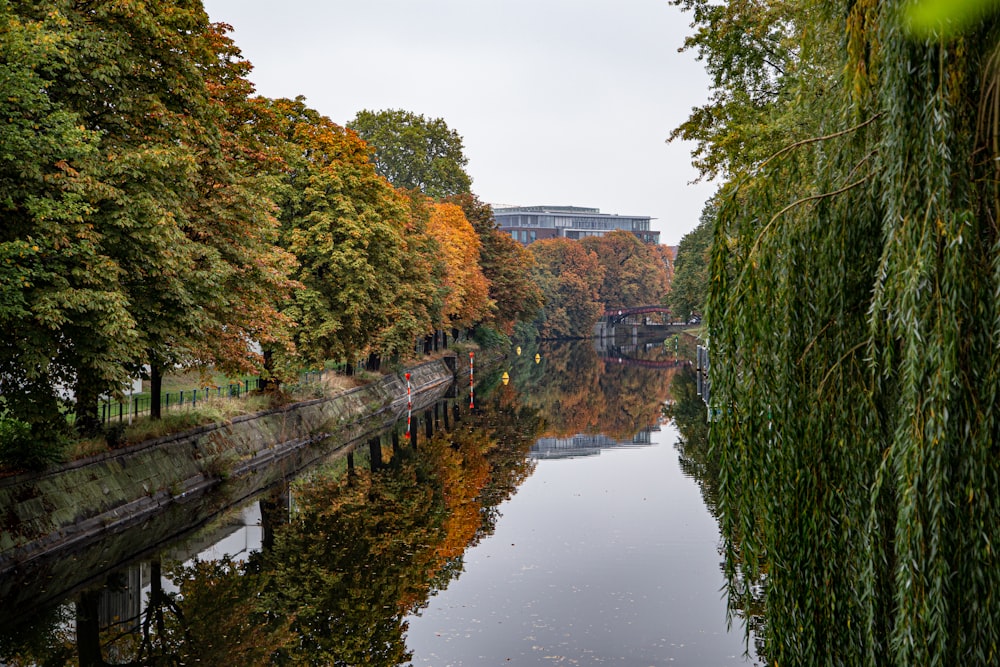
(565, 102)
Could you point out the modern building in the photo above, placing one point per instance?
(533, 223)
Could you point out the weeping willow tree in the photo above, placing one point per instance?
(854, 320)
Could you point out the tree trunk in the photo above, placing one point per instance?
(88, 422)
(155, 390)
(271, 381)
(88, 630)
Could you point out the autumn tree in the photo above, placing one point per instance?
(634, 274)
(234, 214)
(56, 281)
(130, 75)
(467, 297)
(506, 264)
(345, 225)
(415, 152)
(570, 278)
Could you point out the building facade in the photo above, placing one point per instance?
(528, 224)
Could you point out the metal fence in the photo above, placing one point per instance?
(139, 405)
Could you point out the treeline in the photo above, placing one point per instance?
(158, 213)
(582, 279)
(853, 309)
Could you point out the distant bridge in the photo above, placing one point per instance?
(617, 315)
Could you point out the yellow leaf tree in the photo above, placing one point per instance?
(467, 300)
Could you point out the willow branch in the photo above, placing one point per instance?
(813, 140)
(822, 385)
(797, 202)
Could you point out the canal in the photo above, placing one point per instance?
(561, 515)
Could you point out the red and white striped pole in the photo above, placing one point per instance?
(472, 384)
(409, 406)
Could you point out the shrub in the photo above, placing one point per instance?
(490, 338)
(23, 447)
(115, 435)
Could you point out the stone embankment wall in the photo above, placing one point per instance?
(51, 512)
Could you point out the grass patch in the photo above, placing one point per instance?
(211, 411)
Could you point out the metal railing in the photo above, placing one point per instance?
(174, 400)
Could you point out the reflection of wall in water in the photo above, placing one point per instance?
(237, 537)
(120, 603)
(585, 445)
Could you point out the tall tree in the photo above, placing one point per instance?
(415, 152)
(506, 265)
(689, 288)
(234, 214)
(345, 225)
(570, 278)
(418, 309)
(852, 313)
(57, 284)
(467, 299)
(634, 274)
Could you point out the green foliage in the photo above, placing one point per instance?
(414, 152)
(22, 448)
(490, 338)
(689, 288)
(852, 317)
(942, 19)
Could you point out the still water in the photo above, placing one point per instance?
(560, 519)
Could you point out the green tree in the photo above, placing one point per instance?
(414, 152)
(754, 57)
(418, 309)
(345, 225)
(53, 273)
(689, 288)
(851, 312)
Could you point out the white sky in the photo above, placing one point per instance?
(562, 102)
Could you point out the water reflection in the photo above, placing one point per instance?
(334, 568)
(689, 414)
(323, 572)
(579, 391)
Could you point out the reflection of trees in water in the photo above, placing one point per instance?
(334, 584)
(582, 393)
(689, 413)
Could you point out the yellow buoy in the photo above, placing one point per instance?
(505, 377)
(518, 350)
(538, 358)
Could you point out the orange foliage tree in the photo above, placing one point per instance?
(634, 272)
(506, 265)
(467, 300)
(570, 277)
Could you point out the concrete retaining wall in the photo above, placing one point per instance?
(41, 514)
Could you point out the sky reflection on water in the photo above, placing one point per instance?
(609, 559)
